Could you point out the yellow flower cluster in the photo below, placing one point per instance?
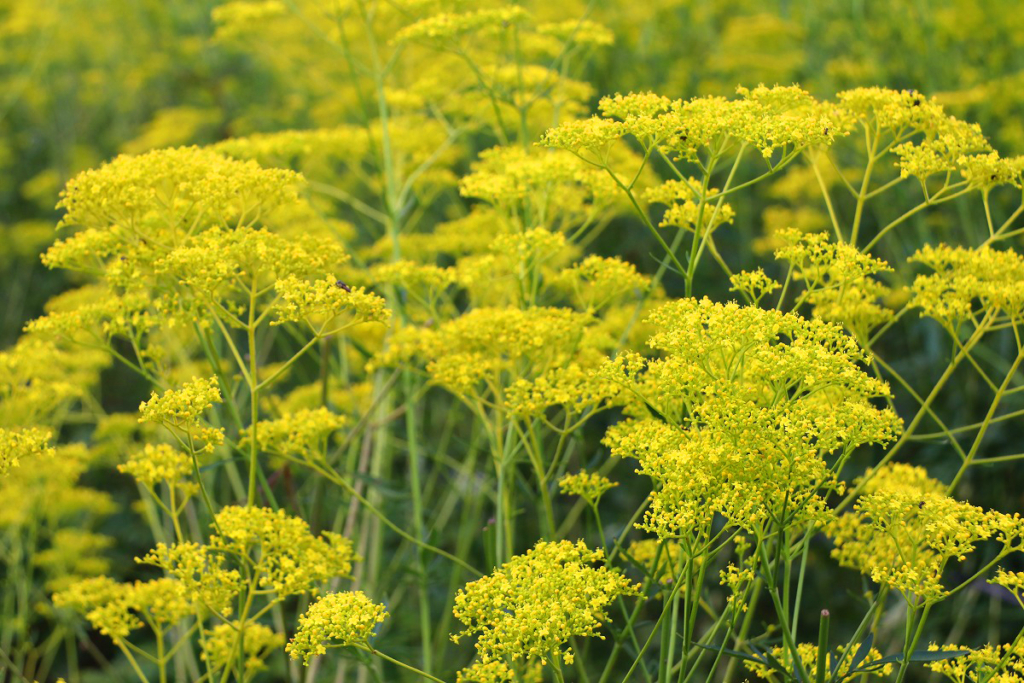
(661, 559)
(449, 26)
(277, 550)
(574, 387)
(347, 619)
(578, 31)
(118, 609)
(216, 263)
(740, 414)
(53, 495)
(284, 148)
(597, 282)
(1011, 581)
(549, 187)
(985, 171)
(221, 645)
(898, 110)
(97, 311)
(754, 284)
(904, 532)
(768, 119)
(944, 150)
(21, 444)
(156, 463)
(968, 282)
(324, 301)
(40, 378)
(202, 571)
(235, 16)
(589, 486)
(839, 279)
(481, 345)
(289, 559)
(168, 192)
(422, 284)
(73, 554)
(684, 210)
(303, 434)
(182, 409)
(997, 663)
(809, 658)
(534, 603)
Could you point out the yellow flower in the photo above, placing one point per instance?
(534, 603)
(221, 646)
(346, 618)
(185, 187)
(288, 558)
(586, 485)
(158, 463)
(448, 26)
(304, 434)
(17, 445)
(324, 301)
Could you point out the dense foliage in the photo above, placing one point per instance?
(489, 342)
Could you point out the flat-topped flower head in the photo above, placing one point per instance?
(578, 32)
(840, 281)
(287, 557)
(590, 139)
(157, 463)
(808, 653)
(204, 573)
(996, 663)
(597, 282)
(942, 151)
(215, 262)
(967, 283)
(296, 147)
(577, 388)
(1011, 581)
(532, 605)
(642, 115)
(234, 19)
(305, 433)
(183, 409)
(335, 620)
(742, 413)
(446, 27)
(684, 209)
(258, 642)
(903, 533)
(899, 110)
(18, 445)
(73, 554)
(116, 609)
(552, 184)
(479, 350)
(589, 486)
(754, 284)
(95, 312)
(985, 171)
(329, 304)
(173, 190)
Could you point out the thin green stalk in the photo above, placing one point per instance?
(985, 423)
(412, 441)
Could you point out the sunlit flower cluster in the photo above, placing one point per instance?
(534, 603)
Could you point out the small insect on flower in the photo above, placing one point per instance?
(341, 285)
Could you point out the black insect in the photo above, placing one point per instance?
(341, 285)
